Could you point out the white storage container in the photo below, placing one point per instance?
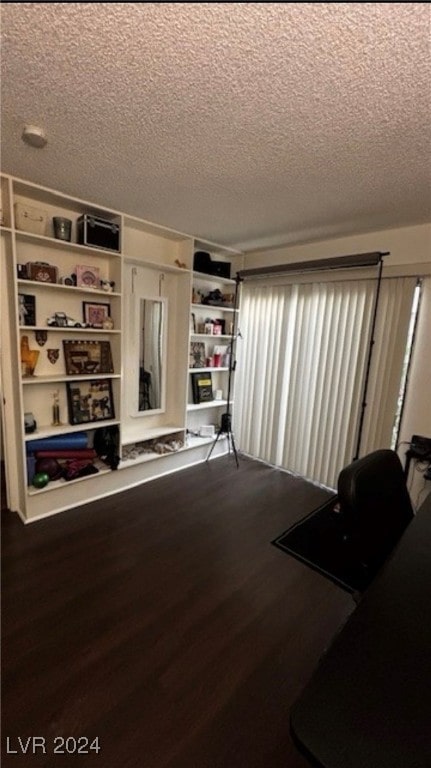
(30, 219)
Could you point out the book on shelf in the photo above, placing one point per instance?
(202, 388)
(197, 357)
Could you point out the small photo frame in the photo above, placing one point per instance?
(197, 358)
(90, 400)
(95, 313)
(87, 277)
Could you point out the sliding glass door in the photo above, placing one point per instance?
(302, 365)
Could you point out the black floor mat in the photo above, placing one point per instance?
(318, 541)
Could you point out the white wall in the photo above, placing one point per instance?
(410, 252)
(406, 245)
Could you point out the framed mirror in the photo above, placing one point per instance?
(149, 327)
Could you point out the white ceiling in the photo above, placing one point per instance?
(249, 124)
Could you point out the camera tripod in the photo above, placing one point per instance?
(226, 418)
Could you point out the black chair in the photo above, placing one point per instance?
(374, 507)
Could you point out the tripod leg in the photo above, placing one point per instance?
(234, 449)
(213, 445)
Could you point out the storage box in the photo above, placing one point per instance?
(98, 233)
(43, 273)
(220, 268)
(207, 430)
(30, 219)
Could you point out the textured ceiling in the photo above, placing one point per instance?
(249, 124)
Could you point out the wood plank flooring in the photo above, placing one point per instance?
(162, 621)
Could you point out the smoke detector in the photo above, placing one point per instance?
(34, 136)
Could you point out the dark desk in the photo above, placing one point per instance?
(368, 704)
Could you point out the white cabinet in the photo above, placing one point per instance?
(69, 346)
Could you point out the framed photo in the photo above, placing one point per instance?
(95, 313)
(197, 357)
(26, 309)
(90, 400)
(87, 357)
(87, 277)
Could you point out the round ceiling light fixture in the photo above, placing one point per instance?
(34, 136)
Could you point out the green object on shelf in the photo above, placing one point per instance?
(40, 480)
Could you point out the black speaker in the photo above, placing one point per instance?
(202, 262)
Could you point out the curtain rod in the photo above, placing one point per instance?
(338, 262)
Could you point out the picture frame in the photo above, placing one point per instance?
(197, 358)
(26, 309)
(95, 313)
(87, 277)
(89, 401)
(90, 357)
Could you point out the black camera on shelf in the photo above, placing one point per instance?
(68, 280)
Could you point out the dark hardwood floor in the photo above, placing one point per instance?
(162, 621)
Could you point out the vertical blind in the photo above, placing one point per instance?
(302, 368)
(391, 332)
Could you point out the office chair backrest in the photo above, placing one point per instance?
(375, 505)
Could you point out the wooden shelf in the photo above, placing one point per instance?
(48, 430)
(212, 308)
(202, 277)
(142, 435)
(211, 336)
(34, 380)
(206, 370)
(64, 245)
(37, 284)
(54, 485)
(204, 406)
(56, 329)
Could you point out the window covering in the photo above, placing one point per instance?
(301, 370)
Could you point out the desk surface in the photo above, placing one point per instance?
(368, 705)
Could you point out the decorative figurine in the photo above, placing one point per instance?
(107, 285)
(108, 323)
(41, 337)
(53, 355)
(56, 409)
(22, 309)
(29, 357)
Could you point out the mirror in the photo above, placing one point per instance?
(149, 376)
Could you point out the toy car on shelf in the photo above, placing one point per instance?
(61, 320)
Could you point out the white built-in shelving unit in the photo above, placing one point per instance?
(164, 260)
